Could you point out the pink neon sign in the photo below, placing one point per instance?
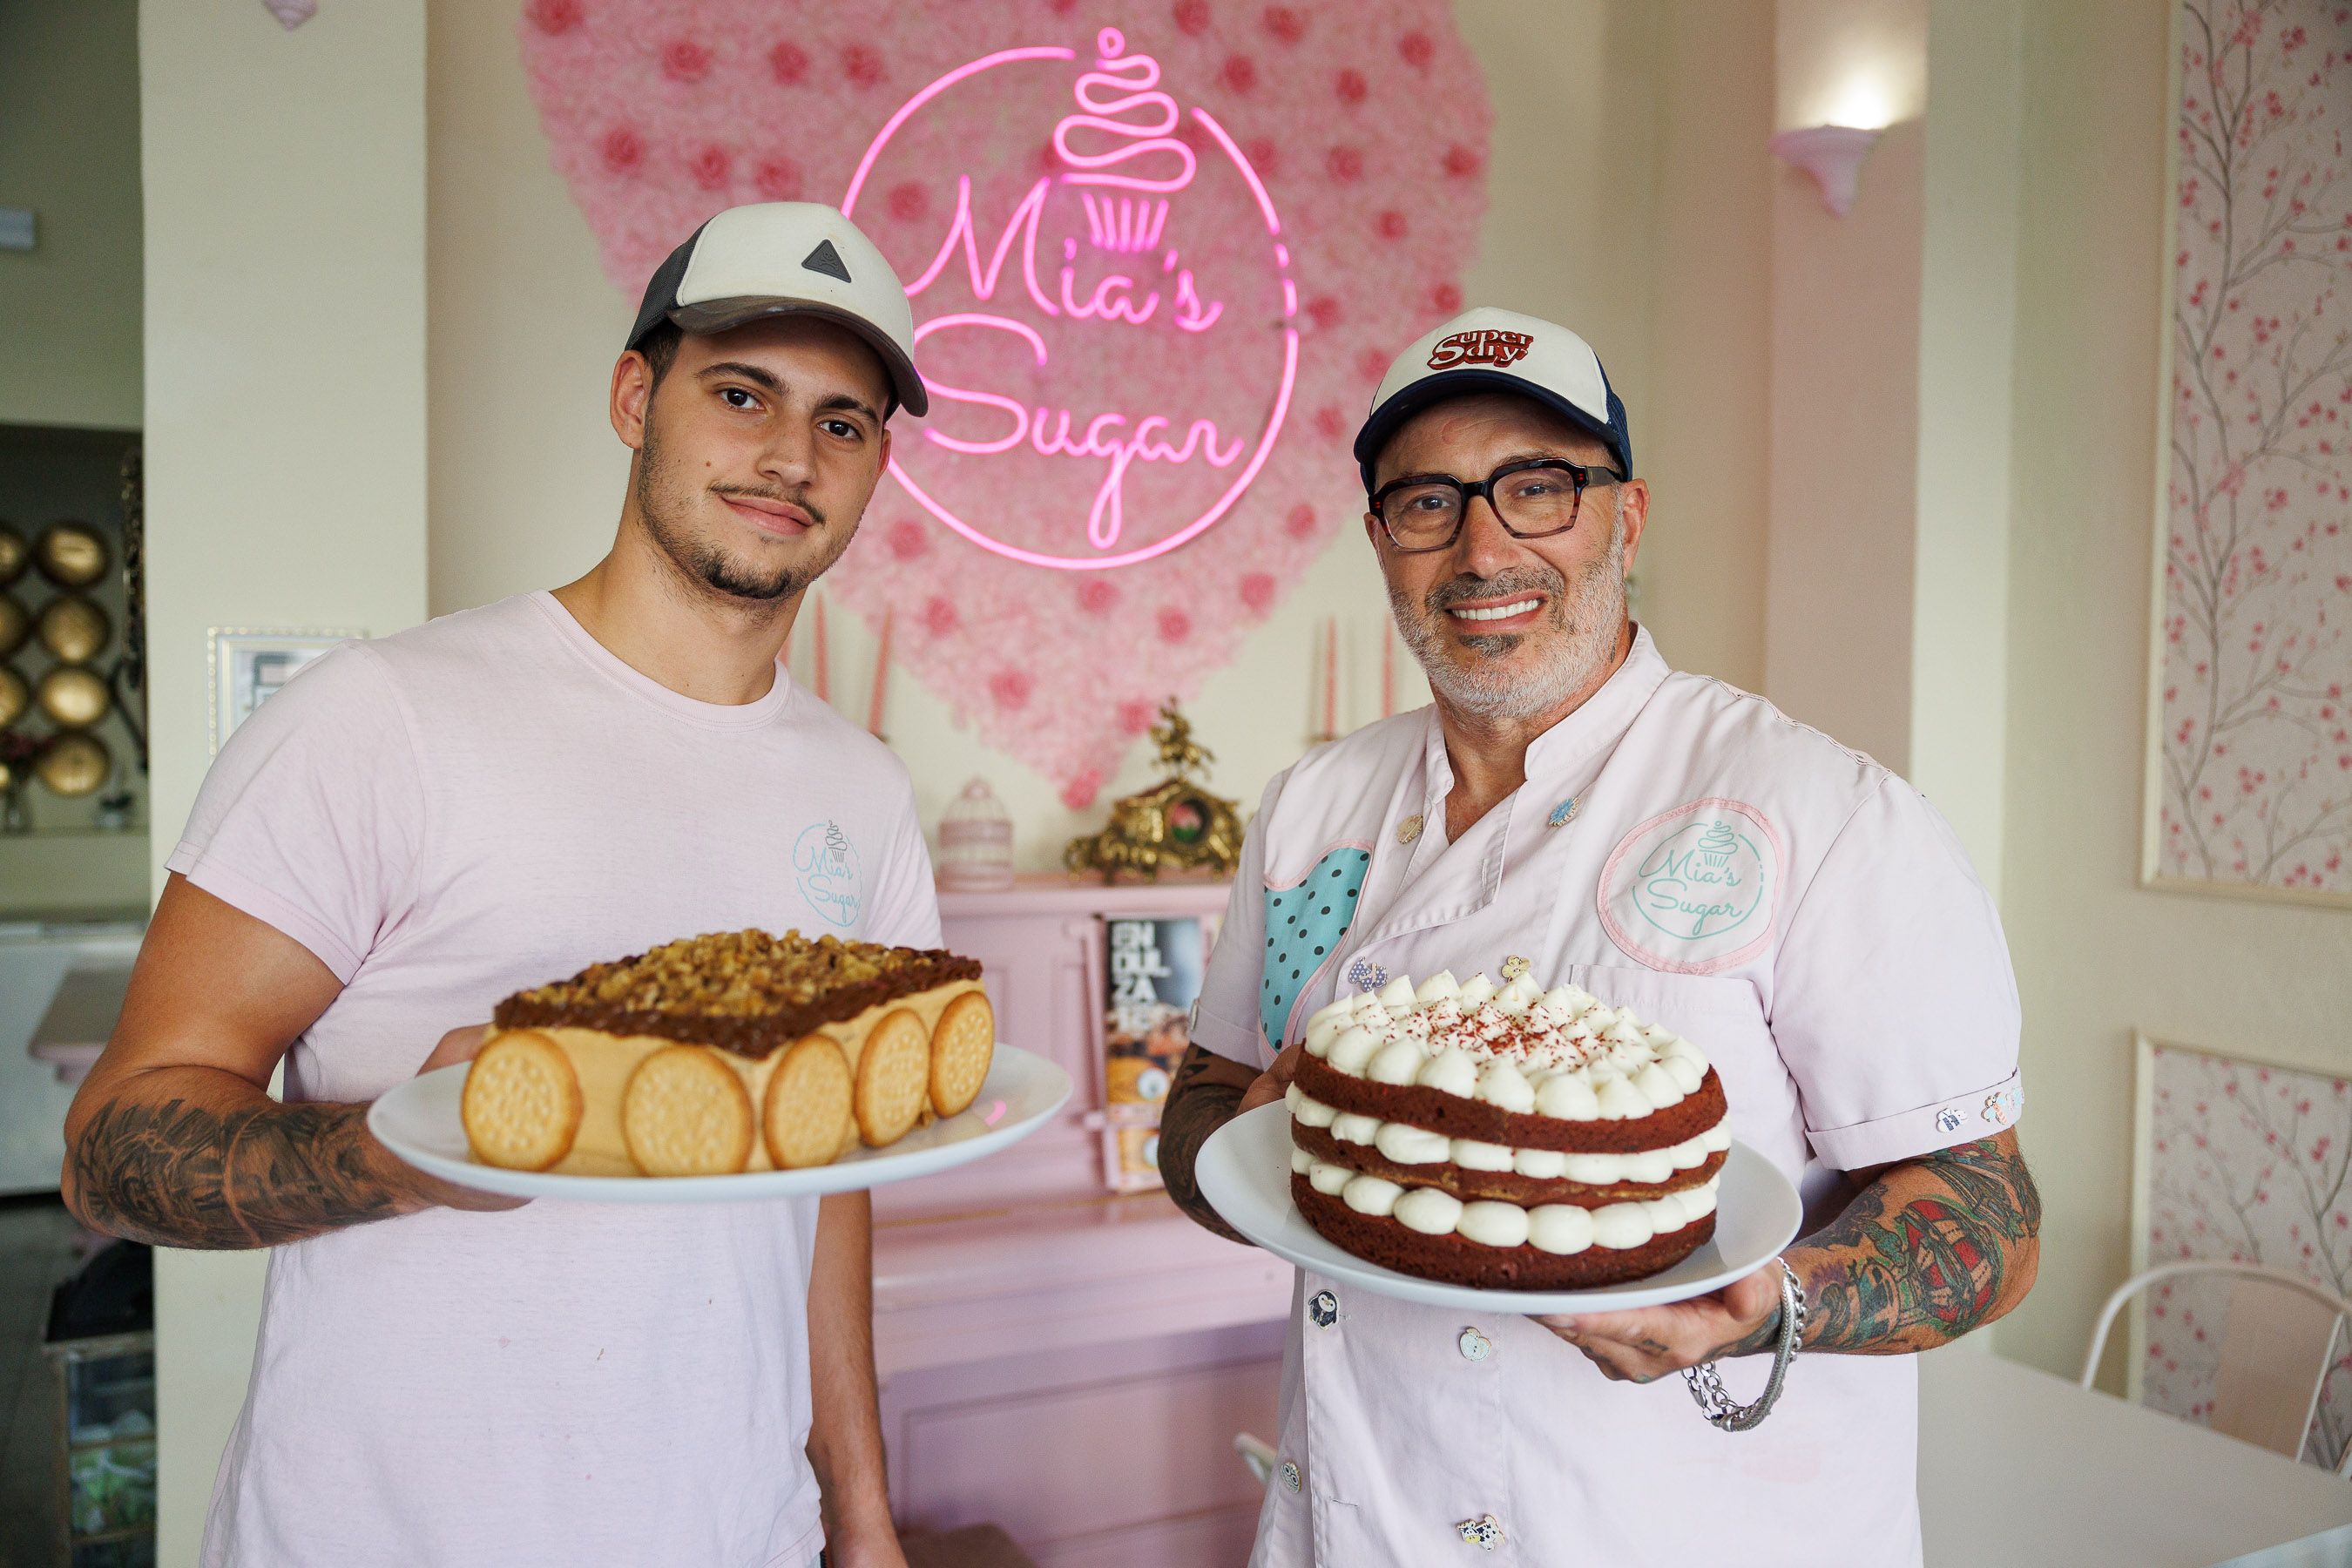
(1112, 283)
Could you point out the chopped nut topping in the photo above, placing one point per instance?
(733, 974)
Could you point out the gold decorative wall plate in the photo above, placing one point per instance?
(15, 555)
(16, 625)
(76, 764)
(14, 697)
(71, 554)
(73, 629)
(74, 697)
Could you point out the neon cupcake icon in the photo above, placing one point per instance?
(1718, 845)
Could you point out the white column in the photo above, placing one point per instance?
(284, 194)
(1967, 341)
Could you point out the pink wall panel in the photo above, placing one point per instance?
(1111, 1453)
(1195, 1541)
(1068, 1363)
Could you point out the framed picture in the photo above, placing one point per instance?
(2249, 783)
(249, 664)
(2237, 1160)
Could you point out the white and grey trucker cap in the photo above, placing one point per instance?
(1489, 349)
(785, 259)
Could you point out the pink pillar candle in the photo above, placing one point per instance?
(881, 678)
(822, 695)
(1330, 678)
(1387, 667)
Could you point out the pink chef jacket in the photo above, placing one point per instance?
(1683, 848)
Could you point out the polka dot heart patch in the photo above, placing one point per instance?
(1303, 924)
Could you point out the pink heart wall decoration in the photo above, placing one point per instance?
(1159, 254)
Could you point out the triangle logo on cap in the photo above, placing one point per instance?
(827, 260)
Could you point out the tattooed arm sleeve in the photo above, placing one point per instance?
(185, 1162)
(1929, 1251)
(1207, 1090)
(173, 1139)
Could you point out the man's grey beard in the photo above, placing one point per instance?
(704, 562)
(1587, 616)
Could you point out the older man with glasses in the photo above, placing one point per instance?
(1572, 806)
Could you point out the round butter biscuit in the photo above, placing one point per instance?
(893, 1082)
(806, 1103)
(522, 1104)
(962, 1044)
(686, 1113)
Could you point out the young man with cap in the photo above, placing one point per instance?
(421, 825)
(1674, 846)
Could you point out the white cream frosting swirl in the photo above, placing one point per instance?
(1562, 1229)
(1406, 1144)
(1561, 1052)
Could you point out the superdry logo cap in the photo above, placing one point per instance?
(1488, 350)
(785, 259)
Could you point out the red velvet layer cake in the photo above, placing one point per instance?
(1511, 1137)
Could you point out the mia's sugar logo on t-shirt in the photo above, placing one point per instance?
(826, 863)
(1691, 890)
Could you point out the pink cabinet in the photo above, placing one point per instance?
(1066, 1362)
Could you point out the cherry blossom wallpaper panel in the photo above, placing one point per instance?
(2252, 792)
(2244, 1163)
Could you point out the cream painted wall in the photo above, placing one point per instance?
(527, 474)
(1844, 401)
(285, 401)
(1852, 62)
(1703, 440)
(2097, 954)
(69, 151)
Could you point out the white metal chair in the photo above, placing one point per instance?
(2274, 1319)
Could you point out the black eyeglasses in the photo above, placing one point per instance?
(1532, 498)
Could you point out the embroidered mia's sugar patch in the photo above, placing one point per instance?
(1694, 890)
(1303, 924)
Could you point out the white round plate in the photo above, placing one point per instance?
(1245, 1172)
(418, 1122)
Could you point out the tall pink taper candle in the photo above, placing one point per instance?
(1330, 678)
(1387, 667)
(822, 695)
(881, 676)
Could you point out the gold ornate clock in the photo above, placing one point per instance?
(1175, 825)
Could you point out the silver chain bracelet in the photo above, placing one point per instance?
(1707, 1384)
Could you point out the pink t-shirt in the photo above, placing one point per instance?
(445, 816)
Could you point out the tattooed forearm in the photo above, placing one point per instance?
(1936, 1247)
(1204, 1096)
(1760, 1342)
(179, 1172)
